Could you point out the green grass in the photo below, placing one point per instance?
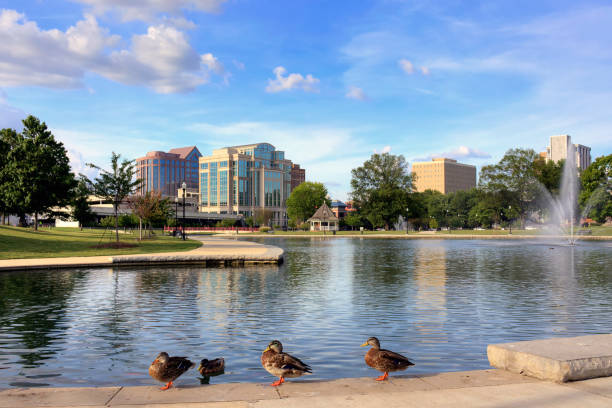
(18, 243)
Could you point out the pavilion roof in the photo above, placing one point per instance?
(323, 214)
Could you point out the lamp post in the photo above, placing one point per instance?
(407, 210)
(510, 215)
(175, 214)
(184, 188)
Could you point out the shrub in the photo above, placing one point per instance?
(264, 229)
(305, 226)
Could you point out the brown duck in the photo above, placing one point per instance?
(282, 364)
(211, 367)
(166, 369)
(384, 360)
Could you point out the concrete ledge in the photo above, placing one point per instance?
(467, 389)
(560, 360)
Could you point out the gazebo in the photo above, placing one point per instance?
(323, 220)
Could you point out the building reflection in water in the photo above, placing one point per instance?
(430, 291)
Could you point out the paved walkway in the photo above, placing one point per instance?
(214, 250)
(485, 388)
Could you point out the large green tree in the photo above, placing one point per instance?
(6, 136)
(40, 171)
(115, 185)
(305, 199)
(549, 173)
(381, 188)
(513, 174)
(596, 195)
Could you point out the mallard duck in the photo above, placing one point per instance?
(282, 364)
(384, 360)
(211, 367)
(166, 369)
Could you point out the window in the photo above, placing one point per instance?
(223, 187)
(223, 163)
(204, 189)
(213, 184)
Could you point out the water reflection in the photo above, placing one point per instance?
(439, 302)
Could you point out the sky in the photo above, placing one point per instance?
(328, 82)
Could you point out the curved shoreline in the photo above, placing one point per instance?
(214, 251)
(440, 236)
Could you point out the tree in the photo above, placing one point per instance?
(263, 216)
(115, 185)
(549, 173)
(40, 169)
(513, 174)
(596, 195)
(305, 199)
(149, 208)
(6, 139)
(81, 210)
(353, 220)
(381, 188)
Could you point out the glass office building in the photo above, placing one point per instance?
(246, 180)
(165, 172)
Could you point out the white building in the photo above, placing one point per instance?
(561, 145)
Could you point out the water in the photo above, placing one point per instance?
(438, 302)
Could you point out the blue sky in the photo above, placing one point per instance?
(329, 82)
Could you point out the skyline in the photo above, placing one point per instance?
(328, 84)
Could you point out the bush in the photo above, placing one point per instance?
(108, 222)
(305, 226)
(228, 223)
(264, 229)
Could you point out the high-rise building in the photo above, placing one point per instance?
(443, 175)
(561, 146)
(165, 172)
(298, 175)
(246, 180)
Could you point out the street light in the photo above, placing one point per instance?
(510, 215)
(184, 188)
(175, 214)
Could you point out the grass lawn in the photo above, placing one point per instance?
(63, 242)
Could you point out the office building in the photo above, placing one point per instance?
(561, 146)
(443, 175)
(338, 208)
(165, 172)
(298, 176)
(246, 180)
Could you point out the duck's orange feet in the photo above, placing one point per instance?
(383, 377)
(165, 387)
(279, 382)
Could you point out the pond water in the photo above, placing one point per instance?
(439, 302)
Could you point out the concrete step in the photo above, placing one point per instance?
(560, 359)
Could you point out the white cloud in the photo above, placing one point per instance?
(148, 10)
(291, 81)
(406, 66)
(386, 149)
(459, 153)
(424, 70)
(161, 59)
(356, 93)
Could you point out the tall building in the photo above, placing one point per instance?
(561, 146)
(165, 172)
(244, 180)
(444, 175)
(298, 176)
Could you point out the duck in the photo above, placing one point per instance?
(384, 360)
(167, 369)
(211, 367)
(282, 364)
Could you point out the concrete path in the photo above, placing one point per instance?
(485, 388)
(214, 251)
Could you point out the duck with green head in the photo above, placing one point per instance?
(282, 364)
(384, 360)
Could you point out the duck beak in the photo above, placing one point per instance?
(199, 367)
(364, 344)
(267, 348)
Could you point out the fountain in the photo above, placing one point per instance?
(562, 209)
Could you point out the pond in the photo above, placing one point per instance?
(439, 302)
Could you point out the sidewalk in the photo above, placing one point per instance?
(484, 388)
(214, 251)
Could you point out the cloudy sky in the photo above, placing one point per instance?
(329, 82)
